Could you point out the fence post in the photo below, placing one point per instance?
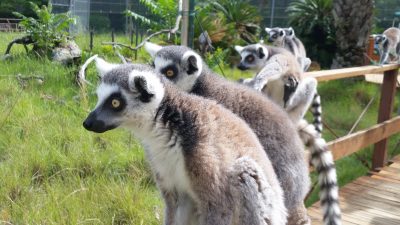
(91, 40)
(388, 91)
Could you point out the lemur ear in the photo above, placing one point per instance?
(290, 32)
(104, 67)
(268, 29)
(260, 52)
(152, 48)
(281, 32)
(140, 85)
(192, 63)
(239, 48)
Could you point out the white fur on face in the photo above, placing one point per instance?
(258, 63)
(104, 91)
(160, 63)
(183, 81)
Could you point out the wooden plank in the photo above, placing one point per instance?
(396, 159)
(348, 207)
(349, 144)
(383, 178)
(371, 197)
(391, 169)
(393, 176)
(388, 91)
(370, 182)
(317, 217)
(376, 204)
(326, 75)
(379, 194)
(375, 187)
(360, 215)
(388, 177)
(395, 165)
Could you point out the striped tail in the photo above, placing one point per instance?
(322, 160)
(316, 110)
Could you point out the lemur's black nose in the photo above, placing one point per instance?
(87, 124)
(242, 67)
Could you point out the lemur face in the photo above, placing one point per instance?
(128, 95)
(179, 64)
(252, 56)
(275, 34)
(380, 39)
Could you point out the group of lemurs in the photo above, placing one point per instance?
(222, 152)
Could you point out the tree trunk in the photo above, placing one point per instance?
(353, 23)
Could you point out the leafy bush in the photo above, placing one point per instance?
(218, 57)
(100, 23)
(161, 14)
(228, 23)
(313, 22)
(48, 30)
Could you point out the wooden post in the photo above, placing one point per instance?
(137, 36)
(185, 23)
(112, 35)
(91, 40)
(388, 91)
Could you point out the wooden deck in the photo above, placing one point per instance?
(368, 200)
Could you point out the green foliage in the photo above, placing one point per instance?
(48, 30)
(228, 23)
(218, 57)
(313, 22)
(52, 170)
(240, 16)
(22, 6)
(162, 14)
(100, 23)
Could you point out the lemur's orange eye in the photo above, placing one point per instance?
(250, 59)
(115, 103)
(170, 73)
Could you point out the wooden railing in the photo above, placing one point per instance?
(378, 133)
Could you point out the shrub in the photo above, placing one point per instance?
(313, 22)
(48, 30)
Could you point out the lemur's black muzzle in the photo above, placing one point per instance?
(270, 40)
(92, 123)
(242, 67)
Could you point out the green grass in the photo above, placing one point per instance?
(52, 171)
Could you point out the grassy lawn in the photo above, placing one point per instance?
(52, 171)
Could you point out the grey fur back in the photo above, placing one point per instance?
(271, 124)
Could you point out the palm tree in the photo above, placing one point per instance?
(241, 18)
(313, 23)
(353, 23)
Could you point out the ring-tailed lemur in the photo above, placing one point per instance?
(207, 162)
(276, 132)
(286, 38)
(388, 43)
(286, 84)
